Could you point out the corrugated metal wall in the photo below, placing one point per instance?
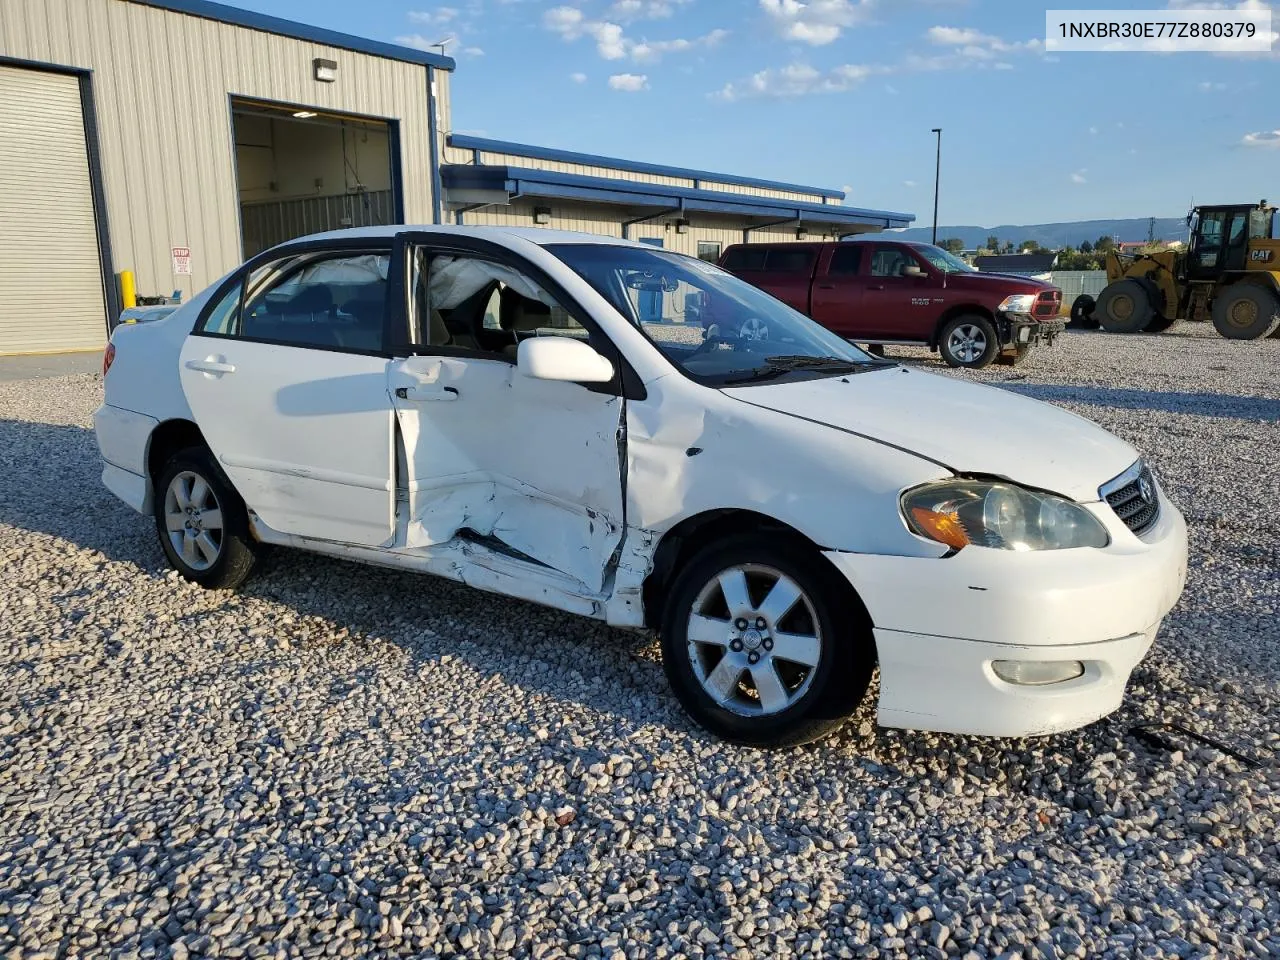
(607, 220)
(460, 155)
(161, 86)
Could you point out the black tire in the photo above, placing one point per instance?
(1124, 307)
(236, 552)
(875, 349)
(1082, 313)
(1160, 324)
(980, 354)
(824, 695)
(1246, 312)
(1013, 356)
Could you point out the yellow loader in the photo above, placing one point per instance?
(1230, 274)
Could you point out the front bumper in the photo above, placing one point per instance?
(939, 624)
(1020, 329)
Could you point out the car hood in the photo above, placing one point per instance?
(966, 427)
(982, 281)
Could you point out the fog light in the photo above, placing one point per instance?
(1037, 673)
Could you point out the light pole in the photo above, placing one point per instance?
(937, 174)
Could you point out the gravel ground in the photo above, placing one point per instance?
(344, 761)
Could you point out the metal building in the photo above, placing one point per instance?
(174, 137)
(689, 211)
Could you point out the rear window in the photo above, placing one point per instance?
(782, 260)
(745, 258)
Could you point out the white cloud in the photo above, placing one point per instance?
(578, 77)
(817, 22)
(629, 10)
(796, 80)
(1079, 176)
(473, 51)
(1093, 131)
(629, 82)
(613, 44)
(437, 17)
(976, 44)
(910, 184)
(1267, 139)
(1208, 86)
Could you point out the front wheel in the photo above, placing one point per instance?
(763, 645)
(969, 341)
(202, 522)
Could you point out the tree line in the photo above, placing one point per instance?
(1088, 256)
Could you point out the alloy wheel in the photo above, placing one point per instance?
(754, 640)
(967, 342)
(193, 520)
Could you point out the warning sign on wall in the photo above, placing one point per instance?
(182, 261)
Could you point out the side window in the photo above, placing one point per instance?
(744, 259)
(472, 304)
(845, 259)
(782, 260)
(330, 301)
(709, 251)
(888, 262)
(224, 318)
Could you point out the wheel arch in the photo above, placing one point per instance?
(167, 439)
(691, 535)
(958, 310)
(1267, 279)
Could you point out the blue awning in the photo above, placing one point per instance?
(496, 181)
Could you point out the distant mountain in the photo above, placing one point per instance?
(1055, 235)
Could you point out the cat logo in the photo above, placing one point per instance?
(1260, 256)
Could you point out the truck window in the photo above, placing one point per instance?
(845, 258)
(782, 260)
(889, 261)
(744, 258)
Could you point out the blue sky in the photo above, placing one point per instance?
(843, 93)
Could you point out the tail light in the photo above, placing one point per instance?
(108, 358)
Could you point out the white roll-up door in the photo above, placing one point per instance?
(50, 274)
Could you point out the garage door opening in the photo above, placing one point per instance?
(301, 171)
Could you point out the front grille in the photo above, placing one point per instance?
(1048, 304)
(1133, 497)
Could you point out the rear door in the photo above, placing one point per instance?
(838, 289)
(287, 378)
(897, 307)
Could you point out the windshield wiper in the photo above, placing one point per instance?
(776, 366)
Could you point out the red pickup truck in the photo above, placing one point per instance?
(879, 291)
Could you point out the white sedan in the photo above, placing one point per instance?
(558, 417)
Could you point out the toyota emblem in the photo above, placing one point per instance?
(1145, 491)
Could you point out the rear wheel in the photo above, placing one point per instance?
(1246, 312)
(202, 522)
(1082, 313)
(761, 645)
(1160, 324)
(1124, 307)
(968, 341)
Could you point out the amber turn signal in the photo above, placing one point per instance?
(943, 527)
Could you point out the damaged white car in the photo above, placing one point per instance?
(560, 417)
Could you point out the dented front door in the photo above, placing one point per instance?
(527, 467)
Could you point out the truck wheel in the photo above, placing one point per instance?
(1246, 312)
(969, 341)
(1082, 317)
(1124, 307)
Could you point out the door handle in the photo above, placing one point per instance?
(422, 395)
(212, 365)
(826, 286)
(880, 287)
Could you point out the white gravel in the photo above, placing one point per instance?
(346, 761)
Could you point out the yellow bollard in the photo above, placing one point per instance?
(128, 292)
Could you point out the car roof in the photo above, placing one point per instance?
(539, 235)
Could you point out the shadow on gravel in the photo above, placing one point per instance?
(51, 482)
(1221, 405)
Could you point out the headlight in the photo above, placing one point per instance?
(981, 513)
(1018, 303)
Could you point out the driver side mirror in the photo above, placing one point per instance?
(562, 358)
(911, 270)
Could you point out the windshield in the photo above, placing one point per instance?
(716, 328)
(943, 260)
